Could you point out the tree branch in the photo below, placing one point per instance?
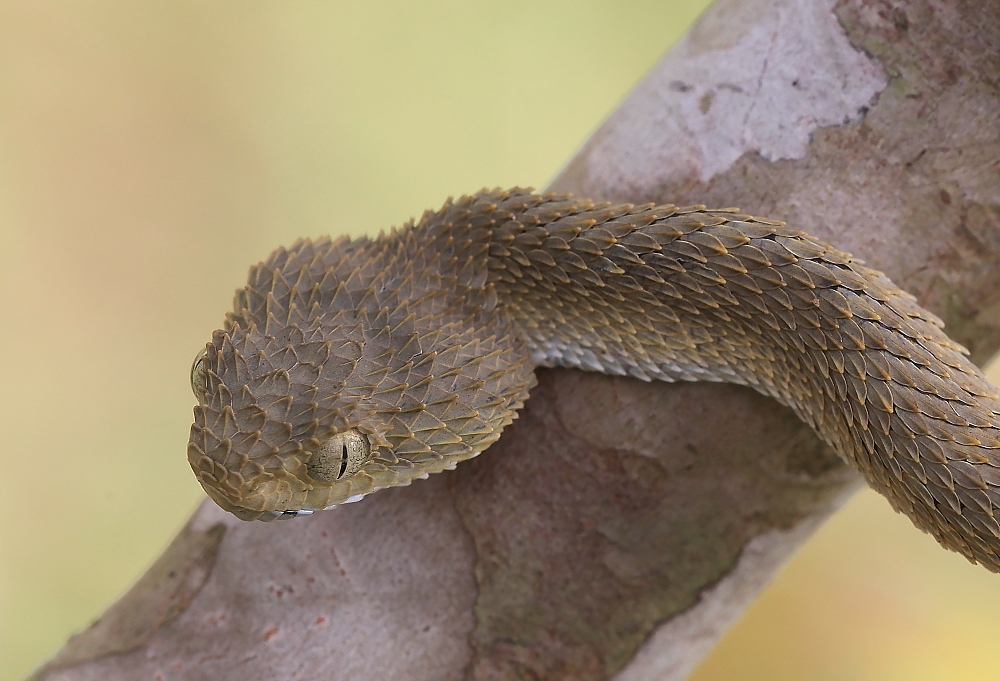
(619, 527)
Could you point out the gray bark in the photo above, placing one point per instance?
(619, 527)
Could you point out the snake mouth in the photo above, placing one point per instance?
(265, 516)
(244, 513)
(284, 515)
(268, 516)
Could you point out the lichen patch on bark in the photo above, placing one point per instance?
(741, 81)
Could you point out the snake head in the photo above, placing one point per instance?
(280, 428)
(308, 399)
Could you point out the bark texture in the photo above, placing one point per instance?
(871, 123)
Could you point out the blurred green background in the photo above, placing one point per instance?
(149, 152)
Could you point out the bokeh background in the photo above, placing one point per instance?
(149, 152)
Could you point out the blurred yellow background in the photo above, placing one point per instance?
(149, 152)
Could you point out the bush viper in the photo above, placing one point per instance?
(350, 365)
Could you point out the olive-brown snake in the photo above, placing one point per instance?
(348, 365)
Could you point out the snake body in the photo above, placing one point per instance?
(352, 365)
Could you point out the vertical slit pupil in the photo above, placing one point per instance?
(343, 461)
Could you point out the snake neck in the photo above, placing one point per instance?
(669, 293)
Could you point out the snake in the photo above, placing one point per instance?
(350, 365)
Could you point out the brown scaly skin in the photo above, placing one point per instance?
(424, 341)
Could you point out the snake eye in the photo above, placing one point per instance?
(340, 457)
(198, 385)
